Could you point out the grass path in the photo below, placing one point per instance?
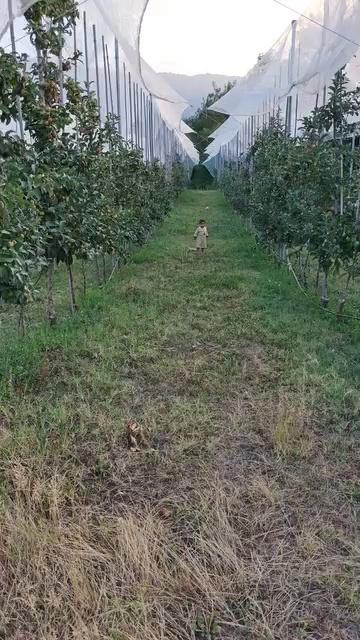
(239, 519)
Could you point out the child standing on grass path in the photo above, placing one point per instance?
(201, 235)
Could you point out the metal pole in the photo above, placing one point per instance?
(97, 70)
(324, 94)
(297, 94)
(136, 122)
(138, 115)
(131, 111)
(296, 114)
(61, 77)
(86, 54)
(151, 127)
(164, 142)
(75, 57)
(109, 79)
(142, 118)
(135, 115)
(118, 97)
(13, 50)
(105, 77)
(125, 103)
(154, 132)
(147, 152)
(76, 79)
(290, 77)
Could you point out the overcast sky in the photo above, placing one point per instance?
(212, 36)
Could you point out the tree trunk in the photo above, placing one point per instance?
(341, 304)
(73, 305)
(324, 291)
(317, 278)
(83, 268)
(104, 267)
(115, 265)
(357, 213)
(50, 306)
(282, 252)
(303, 267)
(21, 321)
(97, 270)
(343, 297)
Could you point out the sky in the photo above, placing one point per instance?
(212, 36)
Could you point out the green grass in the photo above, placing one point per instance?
(249, 396)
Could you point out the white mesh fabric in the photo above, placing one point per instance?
(300, 65)
(18, 8)
(121, 20)
(320, 52)
(304, 59)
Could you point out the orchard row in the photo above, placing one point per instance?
(71, 188)
(301, 195)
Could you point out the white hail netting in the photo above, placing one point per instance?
(120, 20)
(18, 8)
(300, 65)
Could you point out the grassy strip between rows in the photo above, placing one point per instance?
(239, 518)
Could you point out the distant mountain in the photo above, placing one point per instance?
(195, 88)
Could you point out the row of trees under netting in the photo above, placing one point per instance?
(301, 196)
(74, 189)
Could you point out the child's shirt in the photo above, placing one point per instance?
(201, 232)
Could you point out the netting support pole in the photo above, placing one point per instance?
(86, 51)
(297, 95)
(151, 129)
(136, 114)
(76, 79)
(147, 136)
(290, 77)
(130, 111)
(154, 123)
(74, 50)
(142, 119)
(97, 77)
(296, 114)
(105, 77)
(125, 104)
(61, 77)
(118, 96)
(253, 122)
(109, 79)
(13, 50)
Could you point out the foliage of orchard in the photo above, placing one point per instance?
(301, 195)
(74, 189)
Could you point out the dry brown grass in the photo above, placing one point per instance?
(233, 551)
